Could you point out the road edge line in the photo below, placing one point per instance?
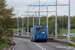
(40, 46)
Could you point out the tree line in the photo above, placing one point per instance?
(62, 22)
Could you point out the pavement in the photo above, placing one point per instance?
(26, 44)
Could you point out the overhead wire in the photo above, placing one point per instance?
(50, 2)
(45, 2)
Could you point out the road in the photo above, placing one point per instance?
(26, 44)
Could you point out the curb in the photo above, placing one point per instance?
(13, 48)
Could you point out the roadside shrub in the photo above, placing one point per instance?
(73, 39)
(0, 43)
(30, 26)
(3, 41)
(1, 32)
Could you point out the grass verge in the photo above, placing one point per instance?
(69, 44)
(2, 46)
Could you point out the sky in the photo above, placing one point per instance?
(20, 7)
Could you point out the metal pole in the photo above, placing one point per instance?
(62, 23)
(18, 23)
(56, 22)
(22, 26)
(47, 19)
(69, 23)
(39, 12)
(33, 20)
(28, 23)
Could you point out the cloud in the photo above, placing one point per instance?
(21, 5)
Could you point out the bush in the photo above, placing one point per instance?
(0, 43)
(1, 32)
(2, 46)
(73, 39)
(30, 26)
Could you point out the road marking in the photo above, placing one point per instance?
(64, 47)
(40, 46)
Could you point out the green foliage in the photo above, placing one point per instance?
(52, 27)
(7, 21)
(69, 44)
(3, 41)
(9, 34)
(73, 39)
(2, 46)
(1, 32)
(30, 26)
(73, 23)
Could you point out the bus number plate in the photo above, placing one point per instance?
(40, 37)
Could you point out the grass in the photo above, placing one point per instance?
(71, 45)
(2, 46)
(57, 36)
(19, 29)
(66, 31)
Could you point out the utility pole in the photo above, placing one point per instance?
(56, 22)
(47, 19)
(18, 23)
(33, 20)
(39, 12)
(28, 22)
(22, 26)
(69, 23)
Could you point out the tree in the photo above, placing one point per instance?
(1, 32)
(30, 26)
(52, 27)
(73, 23)
(7, 21)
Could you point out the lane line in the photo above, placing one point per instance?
(64, 47)
(40, 46)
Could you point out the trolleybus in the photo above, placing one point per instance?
(39, 33)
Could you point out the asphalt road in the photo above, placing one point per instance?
(26, 44)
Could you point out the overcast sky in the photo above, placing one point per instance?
(21, 6)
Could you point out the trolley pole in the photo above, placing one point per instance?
(56, 22)
(47, 19)
(69, 23)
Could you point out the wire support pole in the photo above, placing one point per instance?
(69, 22)
(47, 19)
(33, 20)
(56, 22)
(39, 12)
(28, 22)
(22, 26)
(18, 23)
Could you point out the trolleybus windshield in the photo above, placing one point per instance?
(40, 30)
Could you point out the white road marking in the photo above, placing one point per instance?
(40, 46)
(64, 47)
